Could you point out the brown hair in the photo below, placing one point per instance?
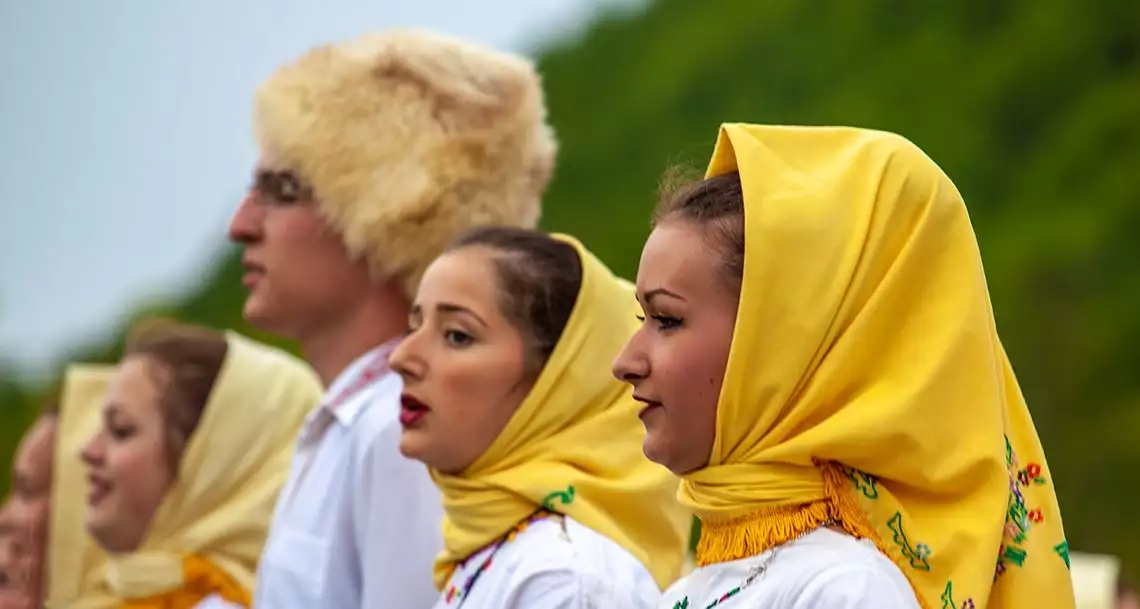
(192, 359)
(714, 204)
(539, 278)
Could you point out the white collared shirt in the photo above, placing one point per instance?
(555, 563)
(357, 525)
(821, 570)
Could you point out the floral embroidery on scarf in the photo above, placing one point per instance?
(1062, 550)
(918, 555)
(865, 483)
(565, 497)
(948, 599)
(1019, 518)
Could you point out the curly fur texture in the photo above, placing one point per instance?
(409, 139)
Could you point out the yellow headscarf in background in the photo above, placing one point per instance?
(575, 446)
(866, 381)
(208, 534)
(72, 555)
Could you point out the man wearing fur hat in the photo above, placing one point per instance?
(375, 153)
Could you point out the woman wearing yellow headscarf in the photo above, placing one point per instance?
(819, 363)
(184, 469)
(548, 501)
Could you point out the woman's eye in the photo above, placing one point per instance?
(120, 433)
(456, 338)
(666, 323)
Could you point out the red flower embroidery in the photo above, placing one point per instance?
(1034, 470)
(1036, 516)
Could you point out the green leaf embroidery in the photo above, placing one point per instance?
(1062, 550)
(565, 497)
(917, 559)
(1015, 555)
(948, 597)
(865, 483)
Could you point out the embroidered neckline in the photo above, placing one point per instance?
(461, 594)
(754, 573)
(370, 371)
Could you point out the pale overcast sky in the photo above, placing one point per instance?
(125, 138)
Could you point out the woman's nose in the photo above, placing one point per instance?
(92, 452)
(404, 359)
(630, 366)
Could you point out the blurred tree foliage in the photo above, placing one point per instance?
(1032, 107)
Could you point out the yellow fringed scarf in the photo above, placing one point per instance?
(208, 534)
(574, 445)
(866, 382)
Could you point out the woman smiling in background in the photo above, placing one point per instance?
(185, 469)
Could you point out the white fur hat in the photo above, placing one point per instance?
(409, 139)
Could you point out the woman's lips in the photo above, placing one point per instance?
(650, 406)
(98, 490)
(411, 410)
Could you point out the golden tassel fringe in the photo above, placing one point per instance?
(760, 531)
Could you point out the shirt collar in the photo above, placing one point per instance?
(350, 384)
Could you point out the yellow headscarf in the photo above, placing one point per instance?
(866, 381)
(574, 445)
(209, 531)
(72, 555)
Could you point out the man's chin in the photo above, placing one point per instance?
(258, 315)
(267, 318)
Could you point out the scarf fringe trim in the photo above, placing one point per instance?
(755, 533)
(201, 579)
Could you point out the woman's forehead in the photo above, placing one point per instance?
(463, 278)
(677, 259)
